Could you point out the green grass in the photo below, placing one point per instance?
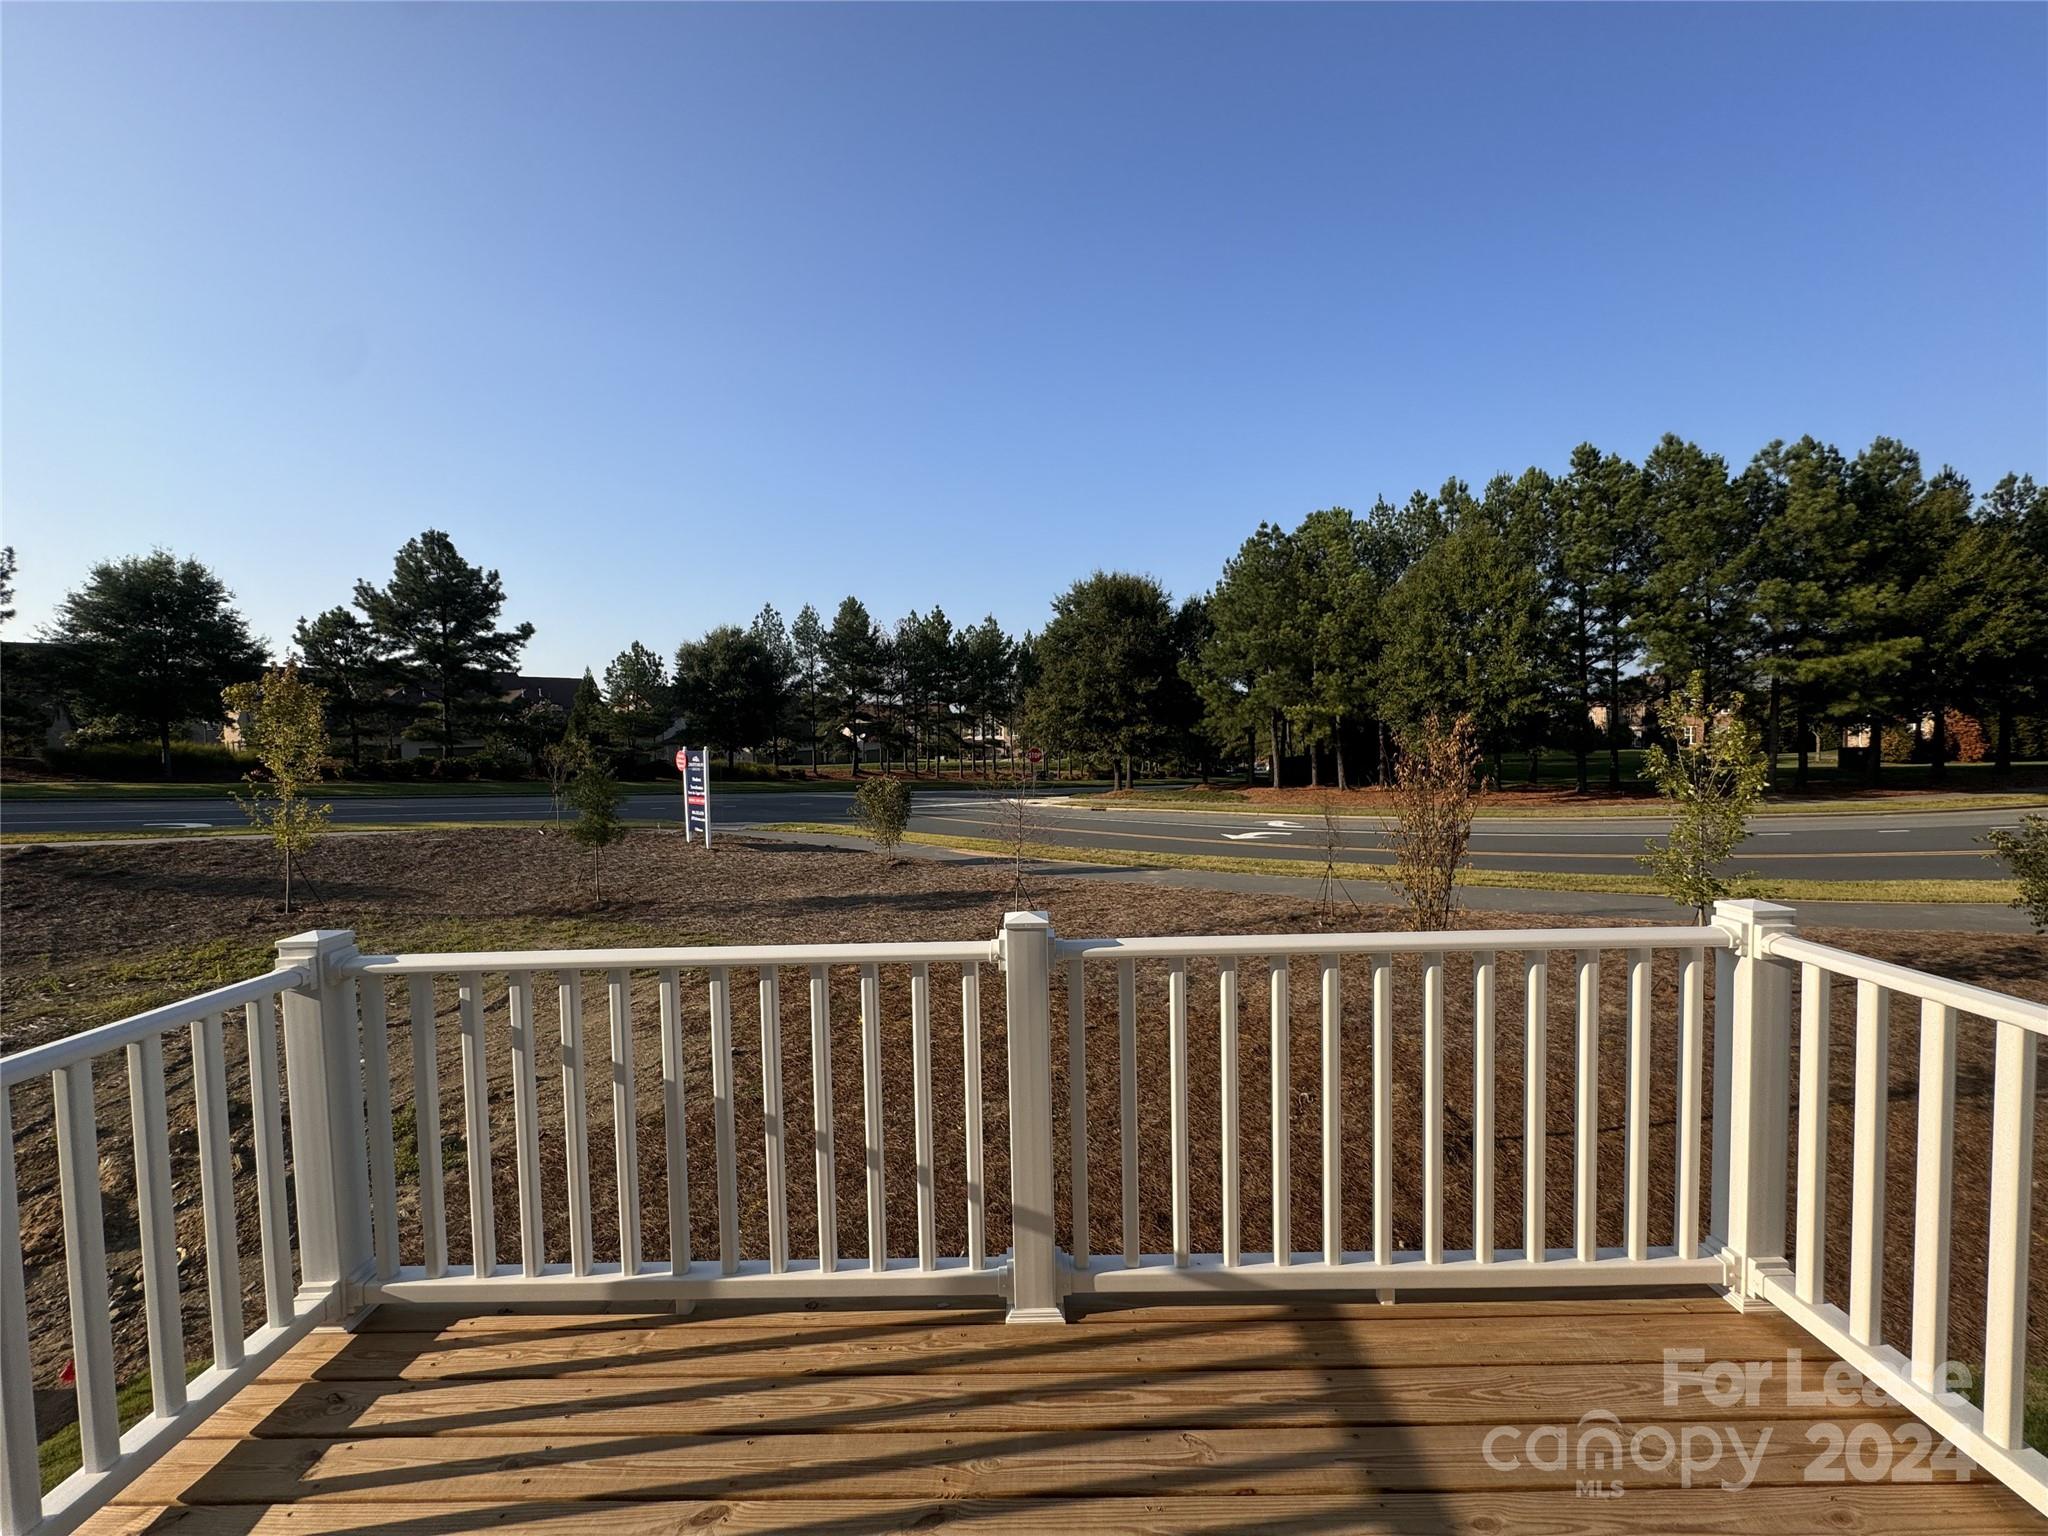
(1228, 799)
(2034, 1426)
(1939, 891)
(60, 1456)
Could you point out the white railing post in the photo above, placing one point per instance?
(1027, 974)
(1758, 1097)
(324, 1086)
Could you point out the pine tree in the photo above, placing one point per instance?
(807, 646)
(438, 617)
(853, 656)
(637, 694)
(343, 657)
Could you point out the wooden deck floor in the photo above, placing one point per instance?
(1169, 1419)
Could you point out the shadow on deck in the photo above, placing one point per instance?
(1490, 1416)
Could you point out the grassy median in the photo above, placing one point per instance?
(1939, 891)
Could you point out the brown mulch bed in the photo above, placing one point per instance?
(76, 917)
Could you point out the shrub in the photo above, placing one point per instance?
(1713, 786)
(882, 807)
(2025, 852)
(202, 760)
(1435, 788)
(596, 796)
(286, 723)
(1966, 740)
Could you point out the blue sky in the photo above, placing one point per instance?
(667, 312)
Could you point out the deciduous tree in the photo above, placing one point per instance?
(153, 639)
(284, 722)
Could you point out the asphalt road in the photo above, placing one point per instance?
(1891, 846)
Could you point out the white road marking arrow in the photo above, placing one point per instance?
(1291, 825)
(1239, 837)
(179, 826)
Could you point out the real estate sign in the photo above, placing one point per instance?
(696, 765)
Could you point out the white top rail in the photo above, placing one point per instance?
(1959, 995)
(700, 957)
(1250, 945)
(41, 1060)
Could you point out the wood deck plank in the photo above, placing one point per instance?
(939, 1400)
(1333, 1418)
(1959, 1509)
(1107, 1349)
(965, 1464)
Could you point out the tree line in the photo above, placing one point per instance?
(1808, 591)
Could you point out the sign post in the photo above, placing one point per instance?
(695, 765)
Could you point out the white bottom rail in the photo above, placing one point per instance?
(704, 1280)
(1950, 1414)
(79, 1496)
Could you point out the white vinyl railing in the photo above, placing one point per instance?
(1920, 1375)
(109, 1457)
(364, 1224)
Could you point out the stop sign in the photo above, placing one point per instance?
(683, 760)
(1034, 756)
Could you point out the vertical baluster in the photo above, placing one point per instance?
(157, 1219)
(772, 1126)
(871, 1103)
(1177, 1059)
(1127, 1074)
(2015, 1072)
(476, 1122)
(1382, 1109)
(1866, 1210)
(970, 1076)
(1482, 1106)
(21, 1500)
(1077, 1107)
(377, 1126)
(675, 1122)
(921, 1109)
(1279, 977)
(821, 1119)
(625, 1120)
(1226, 1017)
(1935, 1172)
(85, 1266)
(1331, 977)
(1586, 1109)
(526, 1121)
(216, 1191)
(273, 1228)
(426, 1114)
(1535, 1104)
(1638, 1126)
(1692, 980)
(1433, 1107)
(1810, 1220)
(1724, 1073)
(725, 1138)
(575, 1118)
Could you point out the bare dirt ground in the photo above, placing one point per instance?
(93, 932)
